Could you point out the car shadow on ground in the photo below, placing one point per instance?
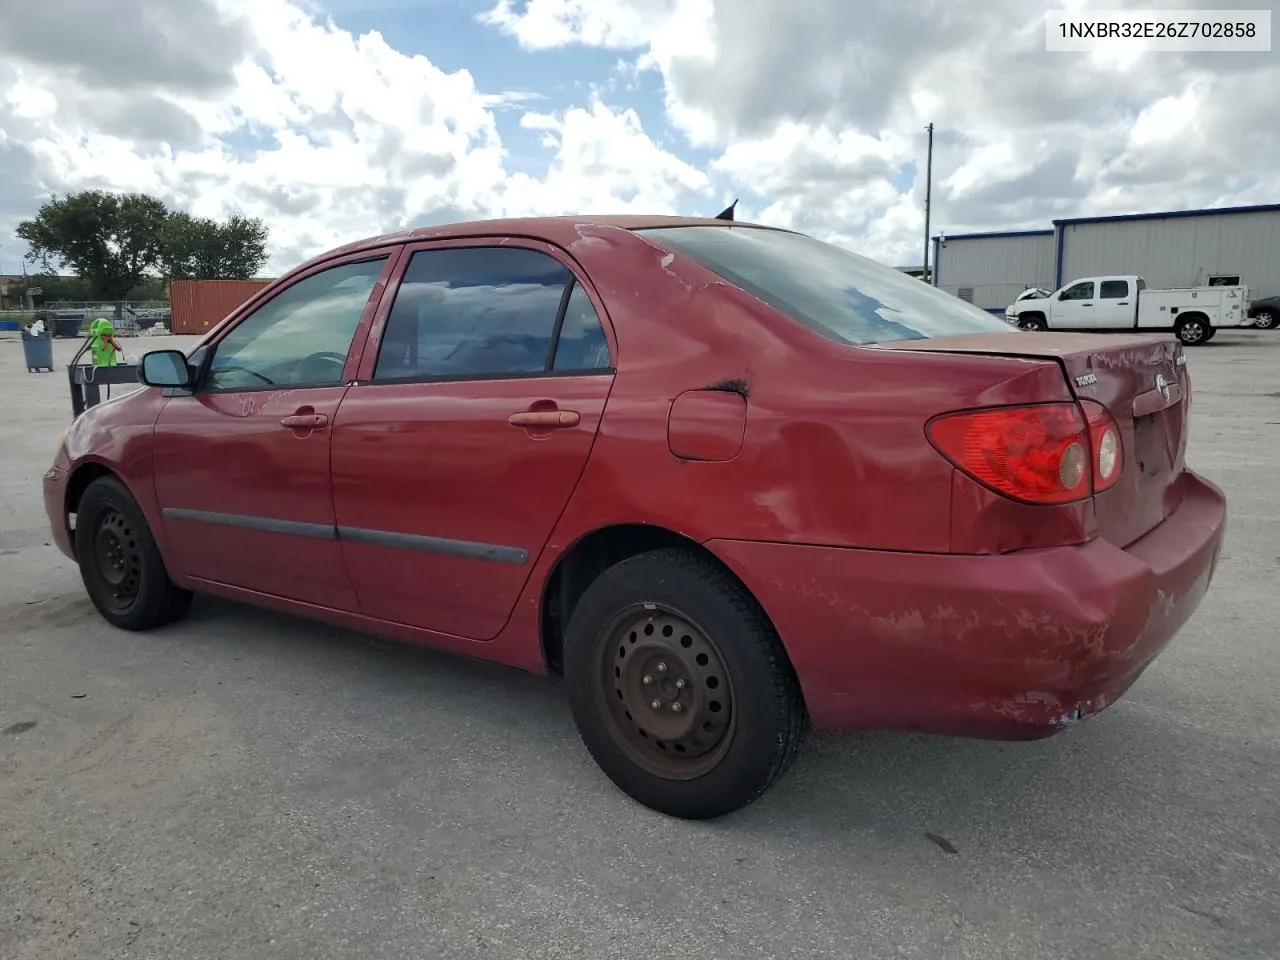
(923, 789)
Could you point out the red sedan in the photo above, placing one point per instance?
(729, 480)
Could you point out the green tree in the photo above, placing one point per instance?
(201, 248)
(54, 288)
(113, 241)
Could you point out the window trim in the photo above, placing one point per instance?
(210, 344)
(373, 342)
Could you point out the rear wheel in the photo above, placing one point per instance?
(679, 686)
(120, 563)
(1193, 329)
(1266, 320)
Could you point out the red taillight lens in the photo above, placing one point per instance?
(1046, 453)
(1104, 443)
(1038, 454)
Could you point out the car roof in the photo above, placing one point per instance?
(558, 230)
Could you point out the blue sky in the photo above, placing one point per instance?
(815, 110)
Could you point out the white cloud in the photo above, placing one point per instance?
(811, 110)
(783, 88)
(328, 137)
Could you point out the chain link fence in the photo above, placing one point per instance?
(72, 319)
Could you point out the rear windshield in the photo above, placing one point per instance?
(839, 294)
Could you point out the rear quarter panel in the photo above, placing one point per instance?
(834, 450)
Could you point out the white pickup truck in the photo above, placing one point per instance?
(1112, 304)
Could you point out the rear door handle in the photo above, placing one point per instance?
(304, 421)
(545, 418)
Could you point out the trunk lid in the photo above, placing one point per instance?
(1142, 381)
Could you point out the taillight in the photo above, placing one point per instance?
(1104, 443)
(1044, 453)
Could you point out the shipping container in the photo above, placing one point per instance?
(199, 305)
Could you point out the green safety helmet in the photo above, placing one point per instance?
(101, 328)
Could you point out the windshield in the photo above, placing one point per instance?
(837, 293)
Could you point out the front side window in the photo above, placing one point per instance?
(837, 293)
(299, 338)
(470, 312)
(1078, 291)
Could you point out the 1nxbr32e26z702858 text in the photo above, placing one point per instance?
(1243, 31)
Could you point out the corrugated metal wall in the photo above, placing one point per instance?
(1179, 251)
(199, 305)
(996, 269)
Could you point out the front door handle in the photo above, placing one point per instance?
(304, 421)
(545, 418)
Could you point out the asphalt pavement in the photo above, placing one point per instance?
(245, 785)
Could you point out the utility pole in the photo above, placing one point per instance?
(928, 199)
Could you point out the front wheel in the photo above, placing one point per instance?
(680, 687)
(1033, 322)
(1193, 330)
(1266, 320)
(120, 563)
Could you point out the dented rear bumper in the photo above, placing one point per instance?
(1013, 646)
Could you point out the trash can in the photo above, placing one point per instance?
(37, 349)
(68, 326)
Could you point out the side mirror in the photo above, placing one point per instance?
(164, 368)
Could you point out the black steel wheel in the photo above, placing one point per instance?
(680, 688)
(120, 564)
(672, 708)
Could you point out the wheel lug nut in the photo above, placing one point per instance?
(675, 708)
(679, 684)
(657, 704)
(662, 668)
(647, 680)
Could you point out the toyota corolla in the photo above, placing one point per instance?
(730, 481)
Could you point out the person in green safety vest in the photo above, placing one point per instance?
(106, 351)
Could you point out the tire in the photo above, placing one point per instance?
(1034, 322)
(120, 564)
(697, 751)
(1193, 329)
(1213, 332)
(1266, 320)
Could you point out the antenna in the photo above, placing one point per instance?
(727, 212)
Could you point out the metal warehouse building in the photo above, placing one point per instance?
(1183, 248)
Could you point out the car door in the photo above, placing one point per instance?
(1115, 308)
(476, 409)
(242, 459)
(1074, 308)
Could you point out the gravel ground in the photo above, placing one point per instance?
(243, 785)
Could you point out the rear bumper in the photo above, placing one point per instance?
(1011, 646)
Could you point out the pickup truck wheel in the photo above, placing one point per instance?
(680, 687)
(1266, 320)
(1193, 329)
(1033, 322)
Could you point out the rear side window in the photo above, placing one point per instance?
(1114, 289)
(473, 312)
(837, 293)
(581, 344)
